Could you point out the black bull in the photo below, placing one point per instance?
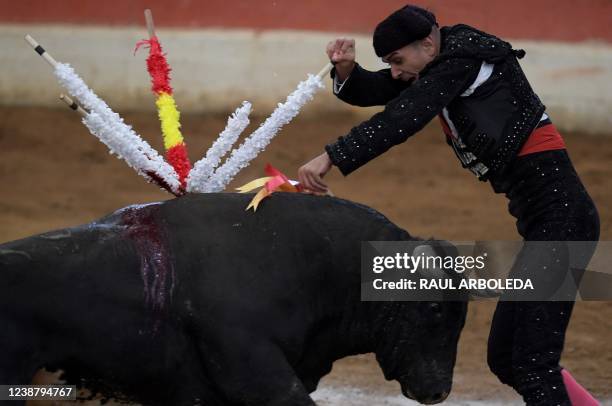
(196, 301)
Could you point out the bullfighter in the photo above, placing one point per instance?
(499, 130)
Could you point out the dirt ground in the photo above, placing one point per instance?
(54, 174)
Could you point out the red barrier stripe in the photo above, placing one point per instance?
(560, 20)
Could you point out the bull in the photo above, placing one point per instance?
(195, 301)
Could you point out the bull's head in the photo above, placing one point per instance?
(416, 342)
(418, 347)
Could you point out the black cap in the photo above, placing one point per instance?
(408, 24)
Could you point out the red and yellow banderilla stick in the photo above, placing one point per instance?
(159, 70)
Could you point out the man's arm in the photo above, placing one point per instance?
(356, 85)
(403, 116)
(365, 88)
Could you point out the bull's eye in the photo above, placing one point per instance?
(435, 307)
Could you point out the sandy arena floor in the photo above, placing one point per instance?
(54, 174)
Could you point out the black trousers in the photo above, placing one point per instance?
(526, 340)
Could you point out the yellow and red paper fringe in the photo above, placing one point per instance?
(275, 181)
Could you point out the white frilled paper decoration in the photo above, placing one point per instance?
(119, 137)
(203, 169)
(260, 138)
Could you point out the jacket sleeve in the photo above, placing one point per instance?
(404, 115)
(365, 88)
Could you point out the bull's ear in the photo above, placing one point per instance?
(439, 250)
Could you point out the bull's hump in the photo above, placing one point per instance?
(278, 201)
(282, 206)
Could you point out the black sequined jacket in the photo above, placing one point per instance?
(490, 124)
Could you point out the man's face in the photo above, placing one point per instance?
(407, 62)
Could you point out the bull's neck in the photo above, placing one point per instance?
(363, 325)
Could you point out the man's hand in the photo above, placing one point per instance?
(342, 53)
(311, 174)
